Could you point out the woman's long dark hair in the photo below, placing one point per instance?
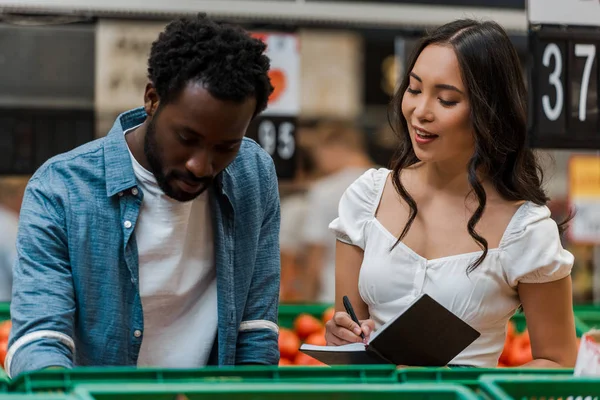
(491, 72)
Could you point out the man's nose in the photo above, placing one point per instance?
(200, 164)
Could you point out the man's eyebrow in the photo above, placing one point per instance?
(193, 132)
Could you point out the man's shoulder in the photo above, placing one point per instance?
(251, 179)
(252, 162)
(251, 151)
(81, 161)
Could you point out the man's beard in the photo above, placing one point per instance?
(166, 181)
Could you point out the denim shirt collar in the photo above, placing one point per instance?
(117, 161)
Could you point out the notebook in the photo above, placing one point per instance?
(426, 334)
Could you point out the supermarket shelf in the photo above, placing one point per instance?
(363, 13)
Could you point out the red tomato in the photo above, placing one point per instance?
(521, 350)
(317, 338)
(328, 315)
(288, 343)
(284, 362)
(305, 325)
(3, 350)
(5, 329)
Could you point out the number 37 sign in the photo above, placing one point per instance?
(565, 73)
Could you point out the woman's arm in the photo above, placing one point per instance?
(348, 260)
(341, 329)
(548, 310)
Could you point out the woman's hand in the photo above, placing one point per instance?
(342, 330)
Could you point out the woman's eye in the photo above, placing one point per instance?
(448, 103)
(413, 91)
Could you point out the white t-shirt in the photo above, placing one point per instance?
(530, 252)
(322, 207)
(177, 277)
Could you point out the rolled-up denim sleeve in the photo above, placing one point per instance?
(258, 333)
(43, 303)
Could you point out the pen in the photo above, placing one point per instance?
(350, 311)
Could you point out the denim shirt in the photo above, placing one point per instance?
(76, 297)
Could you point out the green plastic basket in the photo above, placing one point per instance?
(38, 396)
(582, 319)
(588, 315)
(469, 377)
(4, 382)
(274, 391)
(64, 380)
(4, 311)
(547, 387)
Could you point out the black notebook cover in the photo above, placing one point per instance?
(425, 334)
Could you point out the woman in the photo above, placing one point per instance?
(462, 215)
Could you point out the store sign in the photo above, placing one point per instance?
(565, 79)
(275, 128)
(122, 50)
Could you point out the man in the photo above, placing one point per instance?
(341, 158)
(152, 244)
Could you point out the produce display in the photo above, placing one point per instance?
(4, 332)
(517, 347)
(307, 329)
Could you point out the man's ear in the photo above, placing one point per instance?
(151, 100)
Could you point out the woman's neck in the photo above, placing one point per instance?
(449, 177)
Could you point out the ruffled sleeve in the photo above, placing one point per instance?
(357, 207)
(531, 249)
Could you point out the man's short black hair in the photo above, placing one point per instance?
(228, 61)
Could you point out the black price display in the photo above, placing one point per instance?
(277, 135)
(564, 88)
(29, 137)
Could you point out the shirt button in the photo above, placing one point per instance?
(134, 191)
(137, 333)
(127, 224)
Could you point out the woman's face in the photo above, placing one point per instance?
(436, 108)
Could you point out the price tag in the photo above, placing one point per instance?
(584, 198)
(277, 135)
(564, 39)
(564, 88)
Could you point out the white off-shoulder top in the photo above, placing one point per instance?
(530, 252)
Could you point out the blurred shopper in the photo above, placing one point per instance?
(11, 196)
(462, 215)
(294, 210)
(158, 245)
(340, 156)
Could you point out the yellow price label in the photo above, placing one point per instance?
(584, 177)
